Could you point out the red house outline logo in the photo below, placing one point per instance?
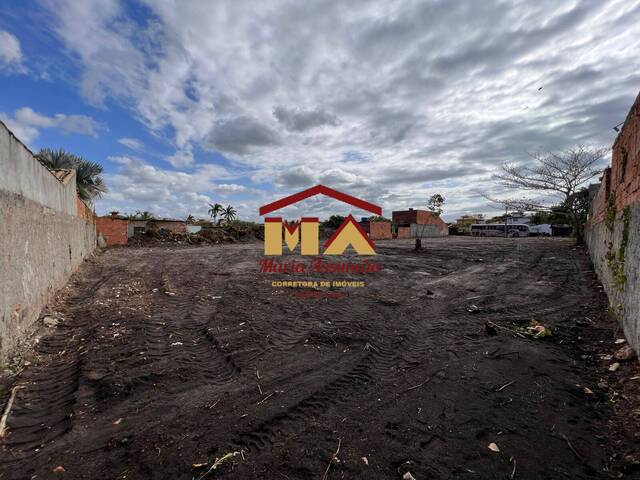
(306, 230)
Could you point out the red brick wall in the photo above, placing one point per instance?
(625, 173)
(380, 230)
(84, 212)
(404, 217)
(421, 217)
(623, 178)
(114, 230)
(598, 210)
(404, 232)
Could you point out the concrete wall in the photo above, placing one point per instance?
(613, 230)
(45, 233)
(173, 226)
(428, 230)
(20, 173)
(623, 291)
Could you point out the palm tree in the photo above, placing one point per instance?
(89, 183)
(190, 219)
(229, 214)
(215, 210)
(141, 215)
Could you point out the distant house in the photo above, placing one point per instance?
(463, 224)
(376, 229)
(112, 229)
(518, 218)
(137, 227)
(414, 223)
(116, 229)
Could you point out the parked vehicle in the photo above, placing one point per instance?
(497, 230)
(543, 230)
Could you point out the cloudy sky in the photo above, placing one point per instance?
(240, 102)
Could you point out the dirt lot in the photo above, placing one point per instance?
(168, 357)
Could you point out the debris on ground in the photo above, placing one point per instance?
(473, 309)
(51, 321)
(490, 329)
(215, 465)
(614, 366)
(493, 447)
(625, 354)
(536, 330)
(214, 235)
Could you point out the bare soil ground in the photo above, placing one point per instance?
(168, 357)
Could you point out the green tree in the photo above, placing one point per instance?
(540, 217)
(435, 203)
(334, 221)
(563, 174)
(573, 210)
(89, 182)
(229, 214)
(215, 209)
(141, 215)
(190, 219)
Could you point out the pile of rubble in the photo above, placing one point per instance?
(217, 235)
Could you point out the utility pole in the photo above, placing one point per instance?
(506, 221)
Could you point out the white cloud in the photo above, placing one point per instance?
(10, 53)
(26, 124)
(137, 185)
(132, 143)
(393, 100)
(230, 188)
(181, 159)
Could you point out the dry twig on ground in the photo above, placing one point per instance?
(334, 457)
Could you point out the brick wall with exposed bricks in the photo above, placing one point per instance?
(113, 230)
(598, 210)
(380, 230)
(84, 211)
(623, 178)
(421, 217)
(404, 232)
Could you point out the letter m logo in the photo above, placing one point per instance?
(304, 232)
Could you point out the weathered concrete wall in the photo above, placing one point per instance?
(176, 227)
(613, 229)
(45, 233)
(432, 230)
(620, 275)
(20, 173)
